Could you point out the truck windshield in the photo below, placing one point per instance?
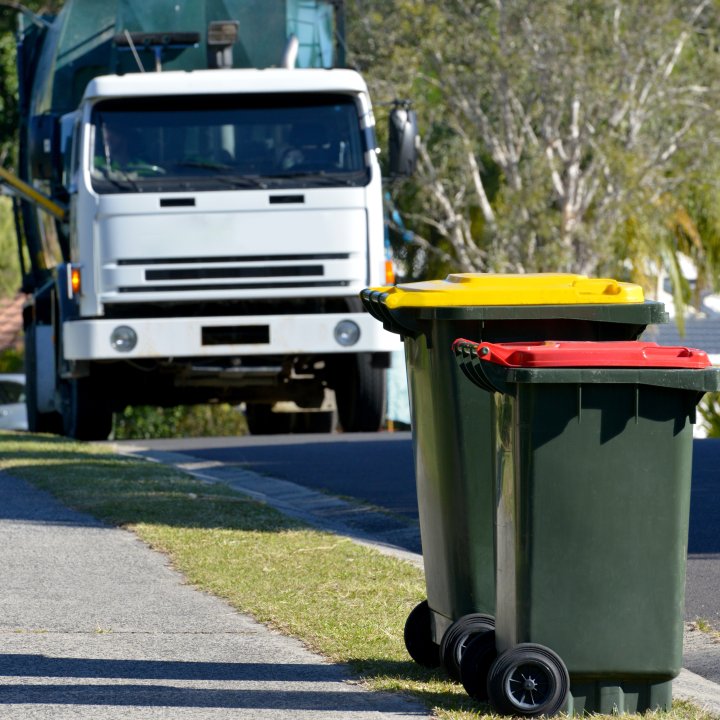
(225, 142)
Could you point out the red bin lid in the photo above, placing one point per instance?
(626, 354)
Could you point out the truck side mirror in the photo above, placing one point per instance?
(44, 146)
(403, 137)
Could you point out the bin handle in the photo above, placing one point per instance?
(396, 322)
(470, 357)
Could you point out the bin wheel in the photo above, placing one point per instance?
(418, 637)
(479, 655)
(456, 638)
(528, 680)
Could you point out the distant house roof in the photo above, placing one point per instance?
(11, 324)
(700, 333)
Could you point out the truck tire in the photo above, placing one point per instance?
(320, 421)
(86, 414)
(39, 422)
(360, 394)
(261, 420)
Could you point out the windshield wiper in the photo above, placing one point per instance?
(124, 182)
(320, 178)
(204, 165)
(242, 180)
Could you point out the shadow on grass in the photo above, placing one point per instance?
(123, 491)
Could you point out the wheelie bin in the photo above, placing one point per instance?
(452, 425)
(593, 449)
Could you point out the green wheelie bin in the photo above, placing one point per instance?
(452, 425)
(593, 446)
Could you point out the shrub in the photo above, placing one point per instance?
(145, 423)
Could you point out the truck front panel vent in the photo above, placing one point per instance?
(235, 272)
(233, 259)
(177, 202)
(287, 199)
(236, 335)
(233, 286)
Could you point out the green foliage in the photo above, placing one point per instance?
(9, 263)
(144, 423)
(8, 74)
(12, 361)
(709, 410)
(559, 136)
(8, 96)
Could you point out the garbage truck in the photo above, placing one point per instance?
(198, 204)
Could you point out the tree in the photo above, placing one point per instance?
(9, 11)
(557, 136)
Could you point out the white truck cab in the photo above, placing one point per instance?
(198, 224)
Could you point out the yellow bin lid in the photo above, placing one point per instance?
(473, 289)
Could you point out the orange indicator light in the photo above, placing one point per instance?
(75, 281)
(389, 273)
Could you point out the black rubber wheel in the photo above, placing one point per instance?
(528, 680)
(456, 638)
(418, 637)
(360, 394)
(40, 422)
(320, 421)
(262, 420)
(86, 414)
(479, 655)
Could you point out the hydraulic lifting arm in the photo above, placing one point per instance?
(29, 193)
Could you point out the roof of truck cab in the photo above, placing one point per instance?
(211, 82)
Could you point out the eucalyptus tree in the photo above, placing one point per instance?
(556, 135)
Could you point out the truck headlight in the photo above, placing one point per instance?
(347, 333)
(123, 338)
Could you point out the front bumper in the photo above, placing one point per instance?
(224, 336)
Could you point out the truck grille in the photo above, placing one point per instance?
(233, 259)
(250, 272)
(232, 286)
(234, 272)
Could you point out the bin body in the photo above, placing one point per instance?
(593, 472)
(453, 426)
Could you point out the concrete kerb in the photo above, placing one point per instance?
(382, 532)
(367, 526)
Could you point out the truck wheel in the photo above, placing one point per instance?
(40, 422)
(85, 413)
(360, 395)
(262, 420)
(322, 421)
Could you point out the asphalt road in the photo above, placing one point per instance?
(378, 469)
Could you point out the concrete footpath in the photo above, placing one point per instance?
(96, 626)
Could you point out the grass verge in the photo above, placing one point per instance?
(345, 601)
